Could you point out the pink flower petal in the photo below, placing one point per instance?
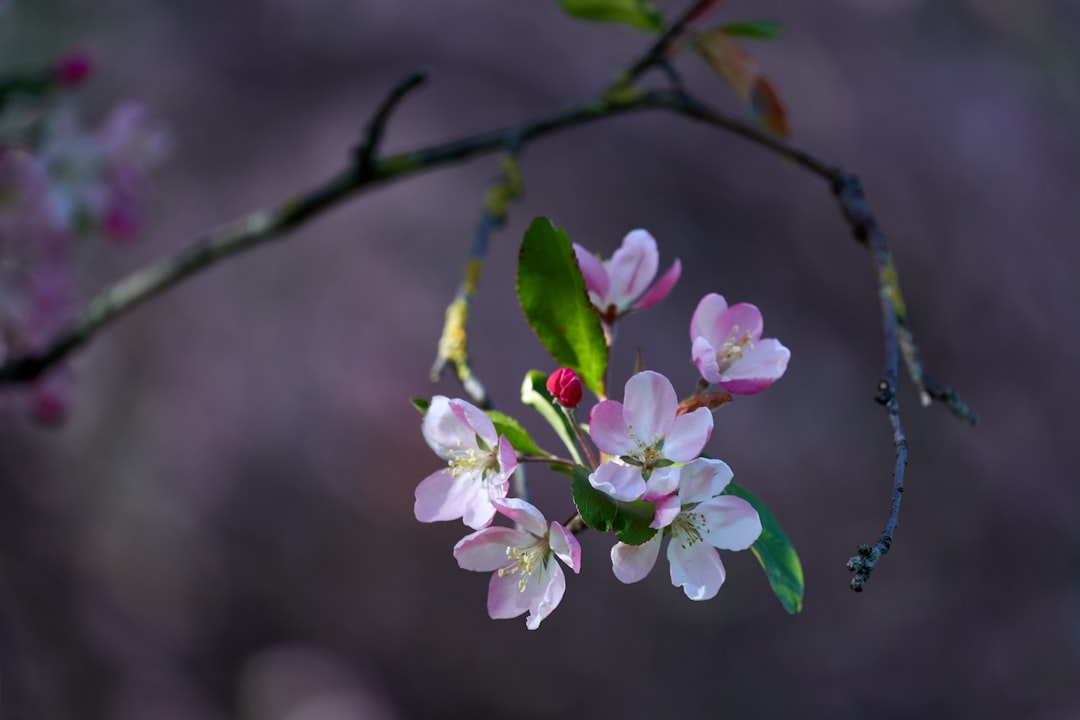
(485, 550)
(475, 419)
(758, 368)
(594, 273)
(667, 509)
(632, 267)
(631, 563)
(565, 546)
(441, 496)
(444, 430)
(549, 593)
(608, 430)
(663, 482)
(478, 511)
(696, 568)
(703, 479)
(649, 406)
(703, 322)
(507, 462)
(740, 319)
(732, 522)
(688, 435)
(524, 514)
(704, 356)
(621, 482)
(661, 289)
(505, 597)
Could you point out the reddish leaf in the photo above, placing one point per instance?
(731, 62)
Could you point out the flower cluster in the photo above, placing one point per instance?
(61, 184)
(645, 455)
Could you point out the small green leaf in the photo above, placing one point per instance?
(640, 14)
(512, 430)
(754, 29)
(534, 394)
(629, 520)
(552, 294)
(421, 404)
(775, 553)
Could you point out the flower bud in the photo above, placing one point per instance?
(565, 387)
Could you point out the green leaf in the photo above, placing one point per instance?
(754, 29)
(629, 520)
(512, 430)
(552, 293)
(534, 394)
(421, 404)
(640, 14)
(775, 553)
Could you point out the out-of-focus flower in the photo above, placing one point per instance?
(644, 436)
(728, 350)
(96, 180)
(700, 520)
(480, 463)
(526, 576)
(618, 286)
(565, 386)
(72, 69)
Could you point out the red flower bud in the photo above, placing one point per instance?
(565, 387)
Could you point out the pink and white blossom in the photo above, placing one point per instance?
(699, 520)
(645, 437)
(525, 576)
(479, 464)
(621, 284)
(728, 349)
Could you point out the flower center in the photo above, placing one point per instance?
(470, 461)
(733, 348)
(687, 527)
(524, 560)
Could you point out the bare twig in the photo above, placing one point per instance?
(453, 342)
(366, 153)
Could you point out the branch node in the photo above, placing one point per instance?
(365, 154)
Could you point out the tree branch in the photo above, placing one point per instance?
(368, 170)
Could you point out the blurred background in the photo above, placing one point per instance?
(224, 527)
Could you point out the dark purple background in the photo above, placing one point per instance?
(224, 529)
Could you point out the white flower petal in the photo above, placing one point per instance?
(649, 406)
(444, 430)
(631, 563)
(696, 568)
(703, 479)
(621, 482)
(485, 550)
(732, 523)
(688, 435)
(524, 514)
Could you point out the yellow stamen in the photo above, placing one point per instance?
(526, 559)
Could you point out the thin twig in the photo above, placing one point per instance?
(366, 153)
(453, 341)
(657, 54)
